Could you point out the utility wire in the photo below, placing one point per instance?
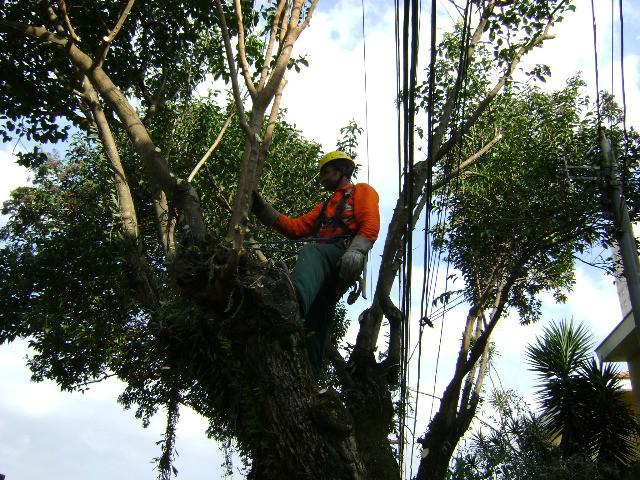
(366, 102)
(595, 55)
(366, 130)
(624, 100)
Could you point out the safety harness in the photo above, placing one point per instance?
(336, 220)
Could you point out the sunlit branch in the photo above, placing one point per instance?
(67, 21)
(215, 144)
(106, 41)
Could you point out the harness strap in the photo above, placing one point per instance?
(322, 221)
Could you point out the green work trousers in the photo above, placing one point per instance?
(315, 279)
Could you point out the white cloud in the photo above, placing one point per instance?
(70, 436)
(13, 175)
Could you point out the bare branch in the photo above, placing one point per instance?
(242, 51)
(232, 68)
(213, 146)
(272, 40)
(108, 39)
(482, 106)
(307, 17)
(441, 182)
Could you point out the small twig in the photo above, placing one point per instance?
(106, 41)
(213, 146)
(67, 21)
(95, 380)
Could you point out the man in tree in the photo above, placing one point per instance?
(343, 228)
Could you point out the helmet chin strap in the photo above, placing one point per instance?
(337, 183)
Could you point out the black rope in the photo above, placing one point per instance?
(459, 109)
(595, 55)
(333, 239)
(410, 47)
(624, 101)
(428, 192)
(366, 103)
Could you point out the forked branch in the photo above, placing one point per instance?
(108, 39)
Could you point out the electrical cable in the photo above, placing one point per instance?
(366, 130)
(595, 54)
(624, 100)
(366, 103)
(463, 62)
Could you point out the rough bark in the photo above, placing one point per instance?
(269, 401)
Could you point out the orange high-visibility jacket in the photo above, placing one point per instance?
(361, 214)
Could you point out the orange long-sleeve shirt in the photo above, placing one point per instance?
(361, 214)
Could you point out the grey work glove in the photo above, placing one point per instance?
(265, 212)
(352, 261)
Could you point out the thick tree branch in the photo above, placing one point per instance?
(255, 149)
(340, 367)
(156, 165)
(166, 223)
(469, 381)
(394, 240)
(396, 320)
(143, 281)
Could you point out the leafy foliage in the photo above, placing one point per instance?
(517, 210)
(63, 275)
(153, 59)
(581, 399)
(513, 444)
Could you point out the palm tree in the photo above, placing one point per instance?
(581, 399)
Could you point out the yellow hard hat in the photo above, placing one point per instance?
(335, 155)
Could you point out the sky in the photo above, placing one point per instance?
(45, 433)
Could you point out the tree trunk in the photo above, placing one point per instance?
(246, 366)
(371, 406)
